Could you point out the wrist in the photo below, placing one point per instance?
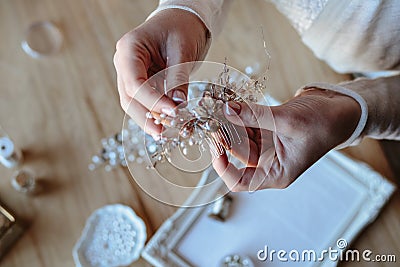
(343, 113)
(185, 14)
(358, 133)
(185, 27)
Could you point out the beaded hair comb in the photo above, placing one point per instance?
(198, 122)
(201, 121)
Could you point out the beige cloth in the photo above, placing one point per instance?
(351, 36)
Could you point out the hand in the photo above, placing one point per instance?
(284, 141)
(171, 37)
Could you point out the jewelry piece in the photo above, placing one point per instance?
(198, 122)
(114, 153)
(236, 261)
(201, 121)
(220, 208)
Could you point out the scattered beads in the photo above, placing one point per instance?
(113, 240)
(236, 261)
(116, 153)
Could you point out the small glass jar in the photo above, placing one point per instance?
(24, 181)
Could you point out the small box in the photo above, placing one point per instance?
(10, 230)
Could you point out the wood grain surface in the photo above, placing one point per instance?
(58, 108)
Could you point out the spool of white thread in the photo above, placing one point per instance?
(10, 157)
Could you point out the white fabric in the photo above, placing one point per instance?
(352, 36)
(301, 13)
(164, 7)
(357, 36)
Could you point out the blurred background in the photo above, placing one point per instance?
(58, 107)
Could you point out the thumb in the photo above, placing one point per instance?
(251, 115)
(177, 79)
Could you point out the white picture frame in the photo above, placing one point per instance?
(373, 191)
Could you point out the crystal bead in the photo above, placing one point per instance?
(149, 115)
(92, 167)
(142, 152)
(200, 112)
(185, 134)
(111, 141)
(191, 141)
(152, 148)
(208, 103)
(108, 168)
(212, 126)
(96, 159)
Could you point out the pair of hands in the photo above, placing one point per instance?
(303, 129)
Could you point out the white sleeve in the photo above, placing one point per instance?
(379, 100)
(211, 12)
(356, 137)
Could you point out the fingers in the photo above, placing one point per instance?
(228, 172)
(246, 151)
(260, 178)
(177, 77)
(136, 96)
(137, 111)
(123, 97)
(133, 72)
(235, 179)
(265, 140)
(249, 178)
(258, 152)
(251, 115)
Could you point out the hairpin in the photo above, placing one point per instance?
(198, 122)
(201, 121)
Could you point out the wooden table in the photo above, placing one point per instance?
(58, 108)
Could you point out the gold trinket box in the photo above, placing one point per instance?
(10, 230)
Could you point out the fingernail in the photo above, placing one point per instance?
(232, 108)
(179, 96)
(169, 111)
